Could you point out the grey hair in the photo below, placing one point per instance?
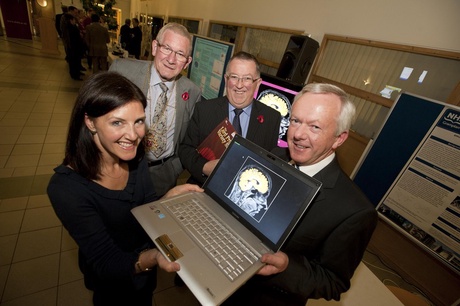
(178, 29)
(347, 110)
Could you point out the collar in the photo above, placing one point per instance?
(246, 110)
(311, 170)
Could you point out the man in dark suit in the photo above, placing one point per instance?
(171, 51)
(259, 123)
(322, 253)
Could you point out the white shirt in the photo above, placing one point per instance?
(315, 168)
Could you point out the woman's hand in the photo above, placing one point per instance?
(180, 189)
(152, 257)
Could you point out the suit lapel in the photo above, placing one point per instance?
(180, 109)
(253, 122)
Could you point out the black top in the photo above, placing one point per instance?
(101, 222)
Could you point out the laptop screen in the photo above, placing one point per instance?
(265, 193)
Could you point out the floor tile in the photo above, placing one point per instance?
(41, 200)
(74, 294)
(13, 204)
(32, 276)
(39, 218)
(7, 247)
(68, 268)
(10, 222)
(42, 298)
(37, 244)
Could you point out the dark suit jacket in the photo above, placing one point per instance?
(324, 249)
(208, 114)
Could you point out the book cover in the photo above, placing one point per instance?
(217, 141)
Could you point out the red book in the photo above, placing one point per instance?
(217, 141)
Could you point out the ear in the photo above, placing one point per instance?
(340, 140)
(154, 47)
(90, 123)
(189, 60)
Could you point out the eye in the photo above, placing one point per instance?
(116, 123)
(140, 121)
(294, 121)
(247, 79)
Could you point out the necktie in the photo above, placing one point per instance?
(160, 123)
(236, 121)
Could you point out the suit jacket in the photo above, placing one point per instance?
(324, 249)
(97, 37)
(139, 73)
(208, 114)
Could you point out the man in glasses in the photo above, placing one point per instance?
(171, 99)
(255, 120)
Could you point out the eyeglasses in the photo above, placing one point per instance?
(234, 79)
(167, 51)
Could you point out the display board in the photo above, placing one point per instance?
(412, 174)
(278, 94)
(210, 59)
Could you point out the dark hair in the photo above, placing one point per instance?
(100, 94)
(95, 18)
(245, 56)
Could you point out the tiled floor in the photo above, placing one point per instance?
(38, 259)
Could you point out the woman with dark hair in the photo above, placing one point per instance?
(103, 176)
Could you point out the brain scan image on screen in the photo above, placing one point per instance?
(279, 102)
(251, 189)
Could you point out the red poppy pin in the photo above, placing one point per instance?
(185, 96)
(260, 118)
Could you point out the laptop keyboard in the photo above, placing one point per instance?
(225, 249)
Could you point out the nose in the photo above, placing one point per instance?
(132, 132)
(300, 132)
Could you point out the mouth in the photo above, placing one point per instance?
(299, 146)
(127, 145)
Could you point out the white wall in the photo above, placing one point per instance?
(424, 23)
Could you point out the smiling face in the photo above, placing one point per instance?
(118, 133)
(312, 131)
(240, 94)
(168, 66)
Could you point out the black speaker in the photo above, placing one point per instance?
(298, 59)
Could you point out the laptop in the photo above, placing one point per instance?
(258, 197)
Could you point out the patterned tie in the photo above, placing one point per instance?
(159, 129)
(236, 121)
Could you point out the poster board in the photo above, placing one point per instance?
(210, 59)
(412, 174)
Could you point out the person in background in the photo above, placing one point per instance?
(57, 20)
(97, 37)
(85, 23)
(74, 46)
(259, 122)
(322, 253)
(171, 51)
(125, 34)
(136, 39)
(103, 176)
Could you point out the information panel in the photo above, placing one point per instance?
(423, 200)
(210, 59)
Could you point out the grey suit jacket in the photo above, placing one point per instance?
(187, 93)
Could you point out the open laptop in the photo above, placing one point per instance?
(258, 196)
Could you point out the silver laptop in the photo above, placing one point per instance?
(252, 202)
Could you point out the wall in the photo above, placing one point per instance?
(423, 23)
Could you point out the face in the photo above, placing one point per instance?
(239, 94)
(168, 66)
(119, 132)
(312, 131)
